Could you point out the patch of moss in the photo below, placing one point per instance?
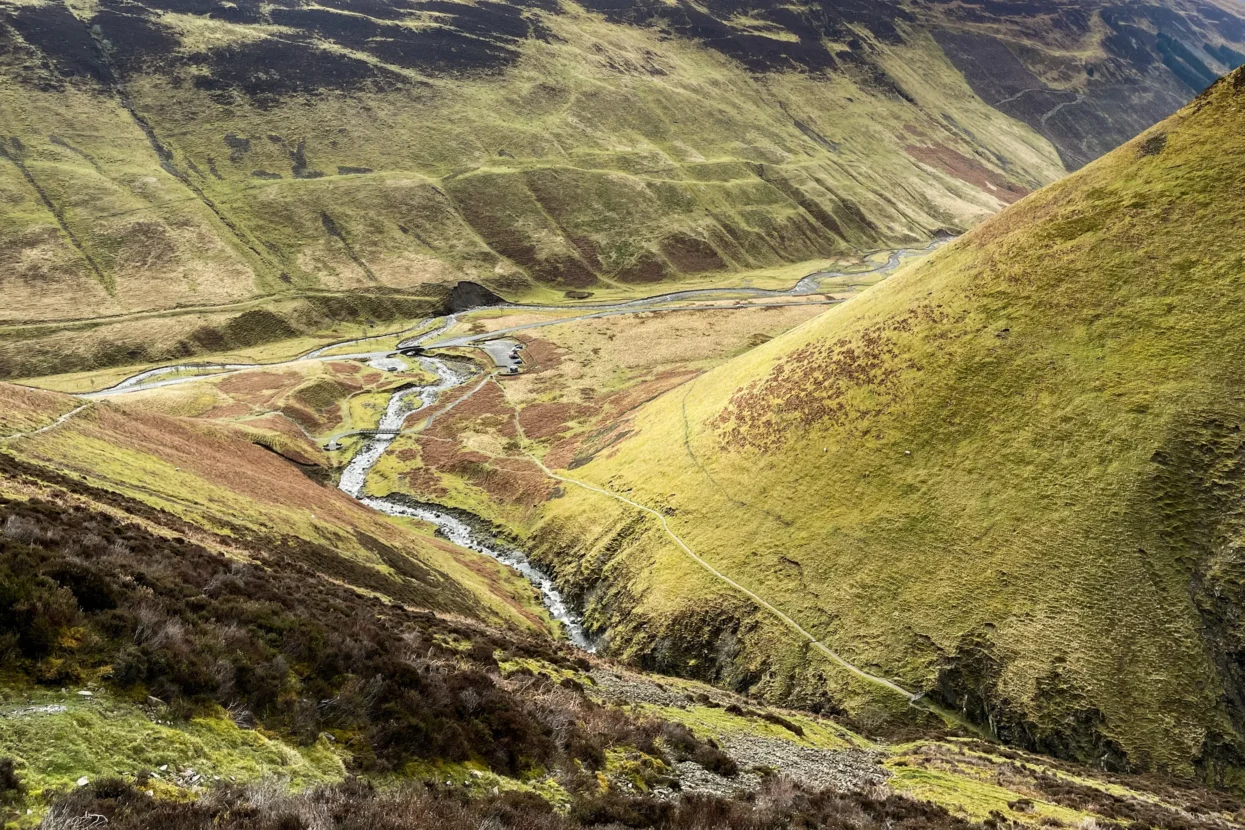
(59, 739)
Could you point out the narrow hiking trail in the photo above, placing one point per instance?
(62, 419)
(911, 697)
(914, 699)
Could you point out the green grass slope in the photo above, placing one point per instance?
(160, 666)
(166, 164)
(1010, 477)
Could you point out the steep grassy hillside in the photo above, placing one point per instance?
(156, 675)
(166, 163)
(1009, 477)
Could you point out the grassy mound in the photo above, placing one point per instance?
(1009, 477)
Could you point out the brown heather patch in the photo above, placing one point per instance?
(647, 267)
(546, 420)
(579, 449)
(342, 368)
(508, 480)
(562, 454)
(252, 382)
(202, 454)
(527, 487)
(421, 480)
(324, 396)
(307, 419)
(487, 410)
(234, 409)
(813, 385)
(624, 401)
(24, 407)
(542, 355)
(276, 423)
(442, 455)
(969, 170)
(691, 255)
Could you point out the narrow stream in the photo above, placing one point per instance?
(404, 403)
(463, 535)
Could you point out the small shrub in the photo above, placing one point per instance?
(1021, 805)
(11, 787)
(614, 809)
(681, 740)
(1154, 145)
(587, 751)
(712, 758)
(779, 720)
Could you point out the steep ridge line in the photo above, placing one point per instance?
(911, 697)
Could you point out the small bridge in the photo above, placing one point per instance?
(334, 443)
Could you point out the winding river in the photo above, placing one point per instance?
(450, 375)
(406, 402)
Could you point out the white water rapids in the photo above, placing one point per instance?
(462, 534)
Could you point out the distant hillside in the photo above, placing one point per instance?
(166, 163)
(1010, 477)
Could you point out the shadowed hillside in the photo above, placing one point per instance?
(166, 163)
(1008, 478)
